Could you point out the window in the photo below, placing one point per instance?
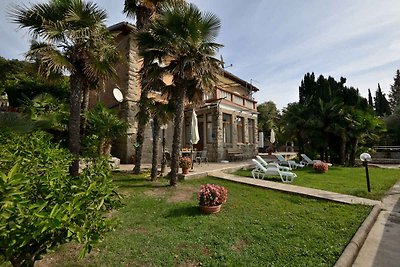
(227, 128)
(239, 125)
(208, 95)
(226, 95)
(251, 130)
(237, 99)
(209, 128)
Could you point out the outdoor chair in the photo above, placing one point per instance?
(203, 157)
(260, 172)
(307, 161)
(266, 165)
(290, 163)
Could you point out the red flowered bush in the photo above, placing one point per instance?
(320, 166)
(212, 195)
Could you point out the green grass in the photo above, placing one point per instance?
(163, 226)
(349, 181)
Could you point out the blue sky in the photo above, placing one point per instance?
(273, 43)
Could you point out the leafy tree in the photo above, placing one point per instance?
(41, 206)
(382, 106)
(70, 36)
(183, 38)
(394, 94)
(393, 125)
(19, 80)
(267, 117)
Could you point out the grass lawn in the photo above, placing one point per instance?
(349, 181)
(163, 226)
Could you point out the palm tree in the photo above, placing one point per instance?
(183, 39)
(105, 126)
(70, 37)
(362, 124)
(294, 118)
(144, 11)
(161, 112)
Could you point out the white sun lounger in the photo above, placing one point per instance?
(266, 165)
(291, 163)
(259, 172)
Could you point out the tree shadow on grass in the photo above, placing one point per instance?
(135, 182)
(191, 211)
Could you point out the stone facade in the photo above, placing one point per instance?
(227, 119)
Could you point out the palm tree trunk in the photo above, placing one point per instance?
(300, 142)
(142, 117)
(354, 145)
(156, 145)
(85, 107)
(342, 154)
(139, 141)
(74, 123)
(176, 143)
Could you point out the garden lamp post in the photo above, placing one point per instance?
(365, 157)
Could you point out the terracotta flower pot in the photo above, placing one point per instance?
(210, 209)
(185, 170)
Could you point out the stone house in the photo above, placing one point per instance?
(227, 120)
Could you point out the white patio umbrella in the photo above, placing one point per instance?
(272, 137)
(195, 138)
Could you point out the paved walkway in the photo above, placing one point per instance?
(382, 246)
(316, 193)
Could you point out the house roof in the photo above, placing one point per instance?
(126, 27)
(240, 81)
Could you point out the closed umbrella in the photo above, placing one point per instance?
(194, 132)
(272, 137)
(194, 129)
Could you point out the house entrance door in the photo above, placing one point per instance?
(200, 144)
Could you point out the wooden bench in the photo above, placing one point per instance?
(234, 154)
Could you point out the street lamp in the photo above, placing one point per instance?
(365, 157)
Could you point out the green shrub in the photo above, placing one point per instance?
(103, 127)
(41, 206)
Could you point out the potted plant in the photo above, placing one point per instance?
(211, 197)
(185, 163)
(320, 166)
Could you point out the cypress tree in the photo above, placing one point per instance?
(382, 106)
(394, 94)
(370, 101)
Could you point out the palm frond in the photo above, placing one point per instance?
(50, 59)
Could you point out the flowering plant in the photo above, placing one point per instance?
(212, 195)
(320, 166)
(185, 162)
